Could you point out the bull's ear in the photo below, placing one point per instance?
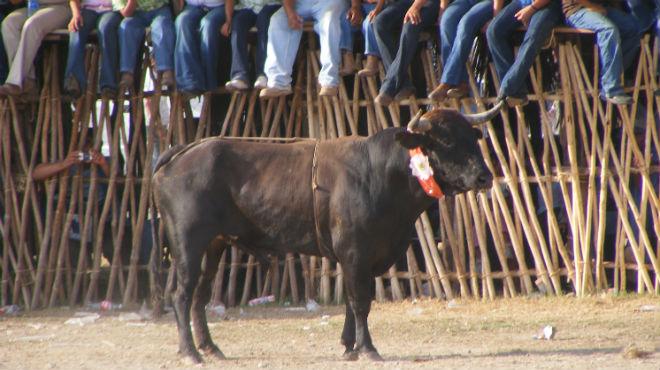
(478, 133)
(410, 140)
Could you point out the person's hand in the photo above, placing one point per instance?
(525, 14)
(295, 20)
(76, 22)
(72, 158)
(597, 8)
(372, 14)
(128, 9)
(412, 15)
(354, 15)
(225, 30)
(97, 158)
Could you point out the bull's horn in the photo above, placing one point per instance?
(479, 118)
(419, 125)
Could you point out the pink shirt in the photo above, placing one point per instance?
(98, 6)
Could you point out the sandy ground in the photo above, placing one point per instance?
(592, 333)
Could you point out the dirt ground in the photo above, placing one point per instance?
(602, 332)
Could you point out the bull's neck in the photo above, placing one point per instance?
(387, 156)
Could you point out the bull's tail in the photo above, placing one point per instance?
(167, 156)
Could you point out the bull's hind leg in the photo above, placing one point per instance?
(203, 296)
(187, 271)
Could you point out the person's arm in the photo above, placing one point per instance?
(44, 171)
(229, 14)
(295, 20)
(377, 9)
(412, 15)
(76, 17)
(129, 8)
(354, 14)
(16, 2)
(526, 13)
(592, 6)
(497, 6)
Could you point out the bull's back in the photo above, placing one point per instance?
(256, 192)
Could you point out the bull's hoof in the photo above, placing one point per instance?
(213, 350)
(372, 356)
(192, 356)
(350, 355)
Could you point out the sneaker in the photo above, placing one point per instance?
(383, 99)
(405, 93)
(370, 67)
(458, 91)
(10, 90)
(347, 64)
(108, 93)
(274, 92)
(236, 84)
(261, 82)
(167, 79)
(328, 91)
(440, 92)
(620, 99)
(517, 101)
(72, 87)
(126, 82)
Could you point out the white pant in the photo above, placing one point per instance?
(22, 37)
(283, 41)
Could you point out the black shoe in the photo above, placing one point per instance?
(72, 88)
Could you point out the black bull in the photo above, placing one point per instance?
(352, 200)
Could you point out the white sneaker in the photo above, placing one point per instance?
(236, 84)
(261, 82)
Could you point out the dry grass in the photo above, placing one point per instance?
(591, 333)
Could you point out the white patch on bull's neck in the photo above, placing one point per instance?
(420, 166)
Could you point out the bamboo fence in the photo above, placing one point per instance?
(574, 207)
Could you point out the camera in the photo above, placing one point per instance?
(85, 156)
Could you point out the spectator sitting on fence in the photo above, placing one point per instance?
(6, 7)
(459, 25)
(140, 14)
(372, 8)
(415, 16)
(539, 17)
(617, 35)
(22, 34)
(284, 36)
(648, 17)
(90, 15)
(198, 30)
(248, 14)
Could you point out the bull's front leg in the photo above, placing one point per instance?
(360, 291)
(348, 334)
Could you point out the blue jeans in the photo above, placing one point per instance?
(647, 16)
(513, 72)
(617, 35)
(346, 41)
(131, 36)
(4, 60)
(106, 23)
(397, 50)
(197, 47)
(283, 41)
(245, 19)
(460, 23)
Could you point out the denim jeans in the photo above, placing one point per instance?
(460, 23)
(107, 24)
(131, 38)
(346, 41)
(283, 41)
(245, 19)
(648, 16)
(617, 35)
(397, 50)
(197, 47)
(4, 61)
(511, 71)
